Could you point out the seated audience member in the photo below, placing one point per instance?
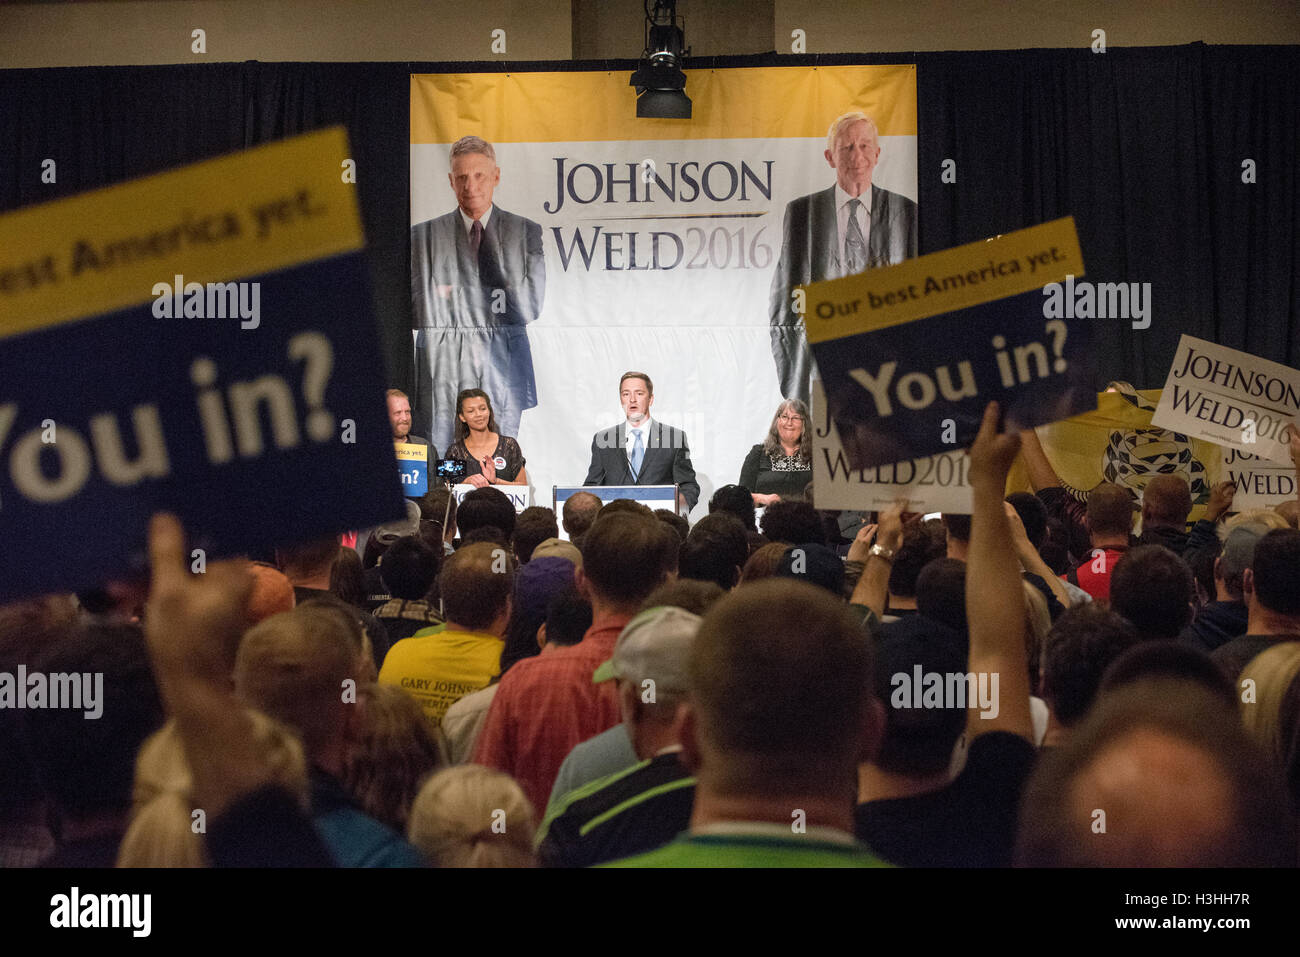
(909, 806)
(28, 630)
(923, 542)
(649, 804)
(794, 523)
(193, 625)
(1065, 506)
(547, 704)
(439, 506)
(611, 750)
(395, 750)
(958, 540)
(437, 667)
(309, 565)
(780, 466)
(84, 753)
(162, 826)
(1272, 718)
(773, 730)
(373, 542)
(486, 507)
(676, 522)
(763, 562)
(1166, 503)
(1110, 528)
(558, 548)
(359, 627)
(348, 578)
(1080, 647)
(410, 572)
(1207, 534)
(473, 816)
(1225, 617)
(1149, 660)
(1152, 587)
(1272, 601)
(715, 551)
(533, 526)
(1177, 779)
(580, 510)
(535, 585)
(292, 666)
(941, 593)
(814, 564)
(735, 500)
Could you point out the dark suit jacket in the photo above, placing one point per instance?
(488, 302)
(810, 243)
(667, 460)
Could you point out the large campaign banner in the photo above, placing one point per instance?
(669, 247)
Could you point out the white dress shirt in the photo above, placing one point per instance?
(469, 223)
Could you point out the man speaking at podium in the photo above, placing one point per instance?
(640, 451)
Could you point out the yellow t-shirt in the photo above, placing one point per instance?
(439, 669)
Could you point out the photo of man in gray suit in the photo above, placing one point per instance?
(478, 277)
(845, 229)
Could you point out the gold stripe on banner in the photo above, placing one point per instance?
(946, 281)
(411, 451)
(778, 102)
(261, 210)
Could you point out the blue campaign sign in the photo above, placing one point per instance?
(201, 342)
(413, 468)
(910, 355)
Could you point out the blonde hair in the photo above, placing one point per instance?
(1257, 516)
(162, 832)
(472, 816)
(396, 751)
(1038, 622)
(1274, 672)
(845, 120)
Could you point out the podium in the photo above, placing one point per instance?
(651, 496)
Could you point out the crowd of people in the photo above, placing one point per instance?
(1052, 680)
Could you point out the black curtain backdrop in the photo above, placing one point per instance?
(1144, 147)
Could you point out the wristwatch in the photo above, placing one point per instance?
(882, 552)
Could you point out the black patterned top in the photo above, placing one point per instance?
(509, 458)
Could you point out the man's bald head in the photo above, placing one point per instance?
(1166, 502)
(1160, 775)
(580, 510)
(1110, 510)
(1290, 510)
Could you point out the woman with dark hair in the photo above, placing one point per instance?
(490, 458)
(781, 466)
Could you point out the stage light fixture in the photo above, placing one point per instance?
(659, 80)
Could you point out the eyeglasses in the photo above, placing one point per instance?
(789, 418)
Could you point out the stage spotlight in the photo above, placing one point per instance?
(659, 80)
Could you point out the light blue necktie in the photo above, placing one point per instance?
(638, 453)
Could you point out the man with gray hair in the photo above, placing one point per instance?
(478, 276)
(647, 805)
(847, 228)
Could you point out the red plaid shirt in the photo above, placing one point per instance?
(545, 706)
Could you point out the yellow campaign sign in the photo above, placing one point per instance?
(106, 250)
(600, 105)
(411, 451)
(942, 282)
